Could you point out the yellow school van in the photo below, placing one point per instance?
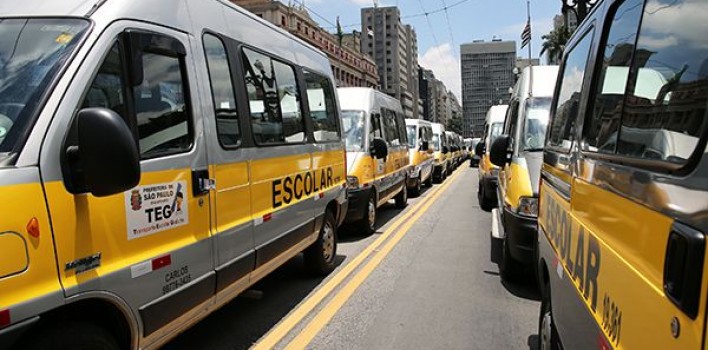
(441, 153)
(420, 153)
(623, 202)
(158, 158)
(518, 154)
(377, 153)
(488, 172)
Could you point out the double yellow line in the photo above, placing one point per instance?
(329, 310)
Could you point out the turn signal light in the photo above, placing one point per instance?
(33, 227)
(4, 318)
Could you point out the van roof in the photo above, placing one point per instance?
(543, 79)
(361, 98)
(410, 121)
(496, 114)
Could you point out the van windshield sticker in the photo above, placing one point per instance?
(154, 208)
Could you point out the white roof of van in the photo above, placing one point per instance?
(410, 121)
(360, 98)
(496, 114)
(543, 79)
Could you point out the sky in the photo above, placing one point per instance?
(438, 41)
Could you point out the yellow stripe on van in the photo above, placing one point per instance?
(518, 184)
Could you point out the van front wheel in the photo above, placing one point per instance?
(71, 335)
(547, 334)
(319, 257)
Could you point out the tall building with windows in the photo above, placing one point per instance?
(487, 75)
(394, 47)
(350, 66)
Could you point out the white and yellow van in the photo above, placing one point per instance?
(377, 153)
(441, 163)
(488, 172)
(519, 154)
(157, 158)
(454, 155)
(623, 211)
(420, 153)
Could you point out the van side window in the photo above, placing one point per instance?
(323, 109)
(402, 129)
(390, 127)
(162, 117)
(562, 128)
(222, 91)
(108, 87)
(160, 107)
(664, 112)
(273, 100)
(600, 130)
(376, 130)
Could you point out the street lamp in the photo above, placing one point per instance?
(579, 7)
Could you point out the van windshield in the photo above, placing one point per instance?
(537, 112)
(494, 131)
(436, 142)
(412, 136)
(353, 124)
(32, 53)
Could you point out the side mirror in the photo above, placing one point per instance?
(479, 149)
(107, 152)
(378, 148)
(499, 151)
(445, 150)
(424, 146)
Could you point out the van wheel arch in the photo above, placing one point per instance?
(96, 311)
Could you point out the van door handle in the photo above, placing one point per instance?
(201, 183)
(683, 267)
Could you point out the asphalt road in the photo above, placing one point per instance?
(436, 289)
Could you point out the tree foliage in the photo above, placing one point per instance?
(554, 43)
(454, 123)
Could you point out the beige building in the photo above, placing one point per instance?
(350, 66)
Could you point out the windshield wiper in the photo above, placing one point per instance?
(537, 149)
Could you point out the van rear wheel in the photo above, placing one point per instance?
(402, 197)
(319, 257)
(415, 191)
(429, 181)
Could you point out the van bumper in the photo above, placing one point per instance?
(521, 235)
(489, 186)
(357, 204)
(438, 171)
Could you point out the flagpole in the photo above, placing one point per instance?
(528, 13)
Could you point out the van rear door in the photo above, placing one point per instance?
(150, 245)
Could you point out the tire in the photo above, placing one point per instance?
(367, 225)
(547, 333)
(429, 181)
(415, 191)
(70, 336)
(320, 256)
(509, 269)
(484, 202)
(402, 197)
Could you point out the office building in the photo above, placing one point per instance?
(487, 74)
(394, 47)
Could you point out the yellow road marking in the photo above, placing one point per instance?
(326, 314)
(297, 315)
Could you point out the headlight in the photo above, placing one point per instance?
(528, 206)
(352, 182)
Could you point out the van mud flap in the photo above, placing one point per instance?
(496, 237)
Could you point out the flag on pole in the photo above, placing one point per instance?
(369, 32)
(526, 35)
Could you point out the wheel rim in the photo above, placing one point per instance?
(371, 213)
(328, 242)
(546, 331)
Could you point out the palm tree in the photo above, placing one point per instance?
(554, 43)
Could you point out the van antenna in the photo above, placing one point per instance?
(95, 8)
